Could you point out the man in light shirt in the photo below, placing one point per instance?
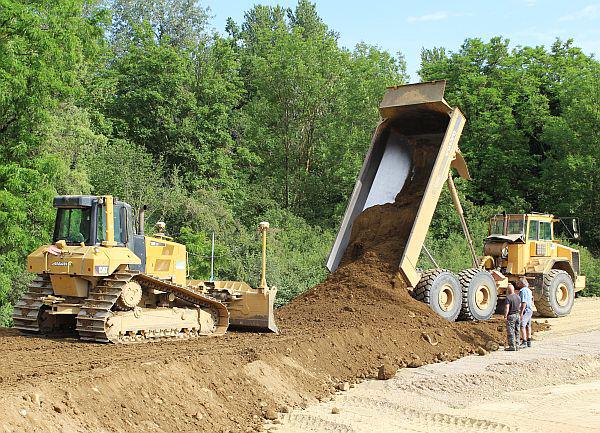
(526, 311)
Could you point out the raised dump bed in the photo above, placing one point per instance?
(412, 150)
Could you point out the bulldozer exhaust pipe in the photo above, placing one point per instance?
(142, 219)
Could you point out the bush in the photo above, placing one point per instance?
(296, 254)
(590, 267)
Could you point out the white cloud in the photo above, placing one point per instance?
(436, 16)
(589, 12)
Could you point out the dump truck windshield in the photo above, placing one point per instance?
(73, 225)
(515, 226)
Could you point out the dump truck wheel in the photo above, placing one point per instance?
(440, 289)
(479, 294)
(556, 297)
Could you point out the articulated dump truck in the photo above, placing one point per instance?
(412, 152)
(114, 285)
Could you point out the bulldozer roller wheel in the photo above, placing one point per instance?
(440, 289)
(479, 294)
(556, 296)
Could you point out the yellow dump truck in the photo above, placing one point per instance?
(414, 148)
(113, 284)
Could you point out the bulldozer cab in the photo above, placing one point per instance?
(93, 221)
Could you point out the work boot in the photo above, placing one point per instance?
(528, 343)
(523, 345)
(510, 349)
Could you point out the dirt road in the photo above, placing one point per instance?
(552, 387)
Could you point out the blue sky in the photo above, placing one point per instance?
(402, 26)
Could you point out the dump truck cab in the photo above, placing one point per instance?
(526, 245)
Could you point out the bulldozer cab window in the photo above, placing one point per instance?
(533, 230)
(73, 225)
(120, 225)
(545, 231)
(101, 225)
(497, 226)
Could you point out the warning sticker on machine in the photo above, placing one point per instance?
(180, 264)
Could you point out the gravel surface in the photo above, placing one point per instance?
(552, 387)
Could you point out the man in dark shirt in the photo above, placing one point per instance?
(512, 314)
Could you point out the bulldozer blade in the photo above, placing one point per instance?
(412, 150)
(249, 308)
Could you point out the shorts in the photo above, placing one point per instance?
(526, 321)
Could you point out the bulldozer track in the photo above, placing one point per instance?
(98, 308)
(26, 311)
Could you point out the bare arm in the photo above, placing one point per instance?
(506, 308)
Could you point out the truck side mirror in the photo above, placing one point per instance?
(568, 227)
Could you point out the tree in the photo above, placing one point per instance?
(570, 172)
(44, 47)
(308, 99)
(178, 23)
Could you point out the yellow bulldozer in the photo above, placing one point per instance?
(410, 159)
(112, 284)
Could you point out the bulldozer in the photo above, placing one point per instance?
(412, 153)
(113, 285)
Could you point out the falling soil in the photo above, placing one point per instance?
(343, 330)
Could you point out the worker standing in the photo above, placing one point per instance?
(512, 315)
(526, 311)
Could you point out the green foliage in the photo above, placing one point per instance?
(590, 265)
(125, 170)
(571, 170)
(531, 138)
(179, 23)
(296, 254)
(25, 219)
(312, 108)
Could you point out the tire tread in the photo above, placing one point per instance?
(543, 304)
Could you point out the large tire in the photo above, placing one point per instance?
(556, 296)
(479, 294)
(440, 289)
